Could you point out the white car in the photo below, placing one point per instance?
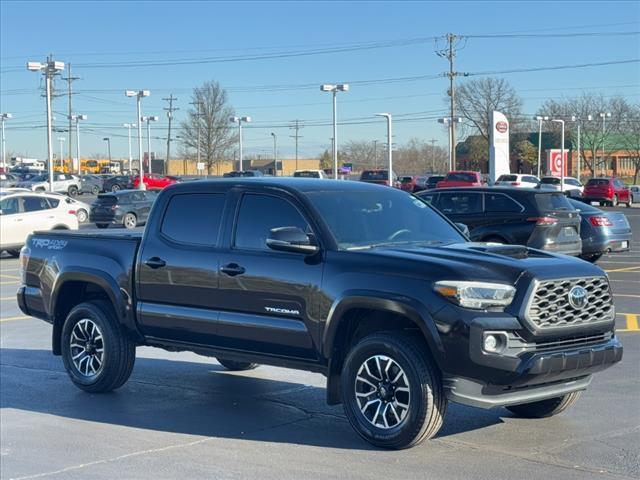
(82, 208)
(572, 186)
(309, 174)
(22, 213)
(62, 182)
(517, 180)
(635, 193)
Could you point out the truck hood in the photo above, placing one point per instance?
(489, 262)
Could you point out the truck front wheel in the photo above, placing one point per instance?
(391, 391)
(545, 408)
(97, 354)
(236, 366)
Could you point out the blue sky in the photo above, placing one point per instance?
(132, 32)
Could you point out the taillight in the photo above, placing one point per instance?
(515, 184)
(25, 252)
(72, 212)
(610, 191)
(543, 220)
(600, 222)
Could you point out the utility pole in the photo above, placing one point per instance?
(197, 104)
(169, 111)
(296, 126)
(433, 154)
(450, 53)
(69, 80)
(375, 153)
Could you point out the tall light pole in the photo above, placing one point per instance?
(198, 115)
(275, 154)
(344, 87)
(3, 117)
(389, 145)
(61, 140)
(129, 126)
(561, 122)
(449, 121)
(540, 119)
(239, 121)
(49, 69)
(139, 94)
(604, 116)
(149, 119)
(108, 140)
(578, 120)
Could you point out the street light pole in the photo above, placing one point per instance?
(603, 116)
(561, 122)
(61, 140)
(139, 94)
(389, 146)
(578, 120)
(108, 140)
(129, 125)
(540, 120)
(275, 154)
(335, 89)
(77, 118)
(4, 117)
(149, 120)
(239, 121)
(449, 121)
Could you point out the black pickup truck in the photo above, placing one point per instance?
(366, 284)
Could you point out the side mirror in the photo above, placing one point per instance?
(463, 228)
(290, 239)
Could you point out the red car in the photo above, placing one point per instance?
(154, 181)
(461, 179)
(408, 184)
(607, 191)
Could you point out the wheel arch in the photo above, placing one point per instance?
(355, 316)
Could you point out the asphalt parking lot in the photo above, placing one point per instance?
(182, 415)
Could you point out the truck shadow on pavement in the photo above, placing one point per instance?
(198, 399)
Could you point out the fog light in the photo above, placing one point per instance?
(494, 342)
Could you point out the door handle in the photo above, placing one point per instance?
(232, 269)
(19, 219)
(155, 262)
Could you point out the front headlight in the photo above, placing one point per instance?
(476, 295)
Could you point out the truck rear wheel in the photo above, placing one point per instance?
(391, 391)
(97, 354)
(236, 366)
(545, 408)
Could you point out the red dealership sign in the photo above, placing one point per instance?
(554, 162)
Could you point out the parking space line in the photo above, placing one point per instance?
(12, 277)
(625, 295)
(2, 284)
(626, 269)
(11, 319)
(619, 263)
(4, 299)
(632, 322)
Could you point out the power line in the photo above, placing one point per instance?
(556, 67)
(70, 80)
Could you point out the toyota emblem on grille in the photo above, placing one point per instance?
(578, 297)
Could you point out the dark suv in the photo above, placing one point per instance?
(129, 208)
(544, 220)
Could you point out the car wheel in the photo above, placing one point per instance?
(130, 221)
(95, 190)
(236, 366)
(102, 225)
(545, 408)
(13, 253)
(592, 258)
(391, 391)
(495, 239)
(97, 354)
(614, 202)
(115, 188)
(73, 191)
(82, 215)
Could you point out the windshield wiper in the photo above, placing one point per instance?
(389, 244)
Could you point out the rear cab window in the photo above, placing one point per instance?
(193, 218)
(598, 182)
(461, 177)
(374, 175)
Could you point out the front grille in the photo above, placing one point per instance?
(516, 342)
(549, 306)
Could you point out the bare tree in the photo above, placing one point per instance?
(592, 138)
(210, 112)
(360, 153)
(630, 135)
(476, 99)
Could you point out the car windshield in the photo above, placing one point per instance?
(507, 178)
(307, 174)
(550, 181)
(598, 182)
(39, 178)
(374, 175)
(461, 177)
(366, 219)
(551, 202)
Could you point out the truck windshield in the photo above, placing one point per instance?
(386, 217)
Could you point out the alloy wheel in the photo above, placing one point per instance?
(382, 392)
(87, 348)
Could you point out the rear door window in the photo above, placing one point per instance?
(507, 178)
(194, 218)
(35, 204)
(460, 203)
(10, 206)
(498, 202)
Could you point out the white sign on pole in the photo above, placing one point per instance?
(498, 146)
(200, 165)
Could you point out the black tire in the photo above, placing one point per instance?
(115, 187)
(235, 366)
(102, 225)
(73, 191)
(629, 204)
(545, 408)
(13, 253)
(118, 350)
(426, 402)
(614, 201)
(495, 239)
(130, 220)
(95, 190)
(591, 258)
